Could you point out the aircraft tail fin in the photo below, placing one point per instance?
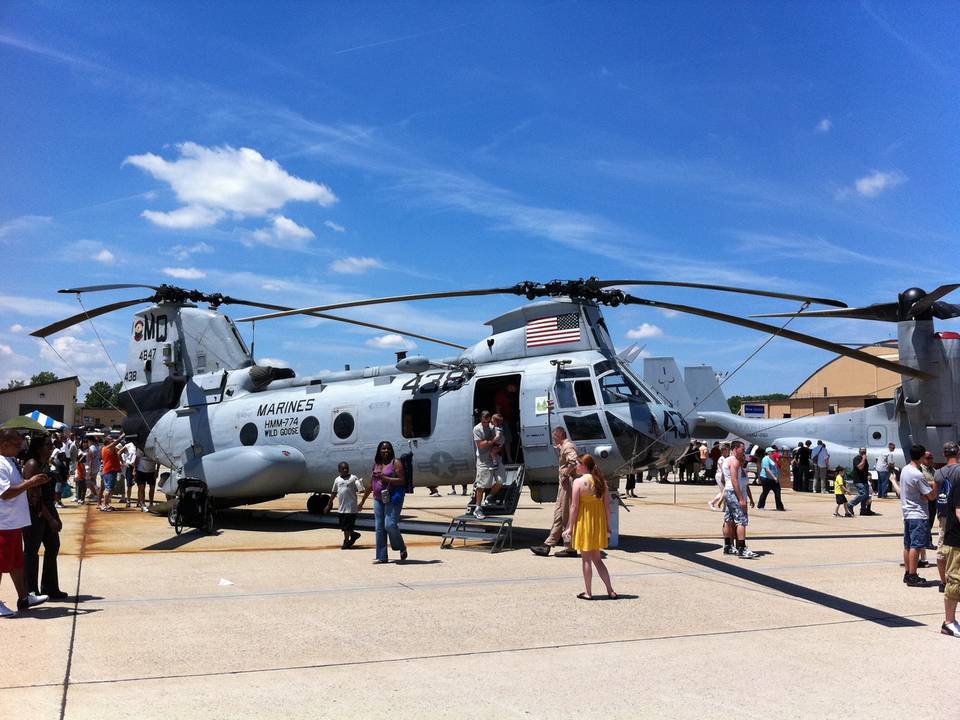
(663, 375)
(704, 389)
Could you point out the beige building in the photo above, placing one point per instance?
(56, 399)
(841, 385)
(98, 417)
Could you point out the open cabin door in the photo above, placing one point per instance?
(501, 395)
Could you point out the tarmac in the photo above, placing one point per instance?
(269, 618)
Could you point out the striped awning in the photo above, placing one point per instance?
(45, 420)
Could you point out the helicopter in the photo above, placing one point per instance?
(198, 403)
(925, 410)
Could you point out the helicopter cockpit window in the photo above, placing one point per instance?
(617, 387)
(574, 388)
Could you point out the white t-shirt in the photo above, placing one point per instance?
(883, 460)
(820, 455)
(93, 460)
(913, 487)
(129, 455)
(14, 513)
(346, 490)
(145, 464)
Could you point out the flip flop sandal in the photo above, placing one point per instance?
(584, 596)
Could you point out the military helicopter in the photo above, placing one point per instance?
(198, 403)
(925, 409)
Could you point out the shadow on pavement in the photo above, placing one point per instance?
(693, 551)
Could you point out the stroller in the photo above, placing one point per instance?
(193, 507)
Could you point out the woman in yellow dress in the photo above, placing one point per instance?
(588, 527)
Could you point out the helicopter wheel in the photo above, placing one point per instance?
(210, 525)
(172, 516)
(178, 523)
(317, 503)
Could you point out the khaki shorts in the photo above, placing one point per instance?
(486, 477)
(941, 548)
(952, 572)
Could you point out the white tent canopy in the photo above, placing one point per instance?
(45, 420)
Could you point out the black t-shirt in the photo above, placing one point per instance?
(803, 455)
(951, 526)
(860, 476)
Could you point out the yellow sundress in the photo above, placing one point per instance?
(590, 532)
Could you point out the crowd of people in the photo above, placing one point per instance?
(35, 481)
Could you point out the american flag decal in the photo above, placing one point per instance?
(553, 330)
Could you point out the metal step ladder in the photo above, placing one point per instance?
(497, 527)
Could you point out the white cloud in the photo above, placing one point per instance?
(188, 217)
(824, 126)
(391, 342)
(106, 257)
(870, 186)
(183, 252)
(807, 248)
(184, 273)
(283, 232)
(35, 307)
(646, 330)
(273, 362)
(211, 182)
(667, 313)
(87, 359)
(876, 182)
(23, 225)
(16, 328)
(336, 227)
(355, 265)
(5, 349)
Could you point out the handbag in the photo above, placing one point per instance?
(66, 492)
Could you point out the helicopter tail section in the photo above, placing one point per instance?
(663, 375)
(704, 389)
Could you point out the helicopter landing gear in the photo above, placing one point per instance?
(317, 503)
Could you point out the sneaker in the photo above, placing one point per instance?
(952, 629)
(144, 508)
(6, 612)
(478, 513)
(566, 552)
(453, 492)
(353, 539)
(914, 580)
(59, 505)
(747, 554)
(729, 550)
(906, 575)
(434, 494)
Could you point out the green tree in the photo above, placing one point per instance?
(44, 376)
(102, 395)
(15, 384)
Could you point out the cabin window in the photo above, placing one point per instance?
(343, 425)
(587, 427)
(416, 418)
(310, 428)
(248, 434)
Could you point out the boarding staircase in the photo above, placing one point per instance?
(497, 527)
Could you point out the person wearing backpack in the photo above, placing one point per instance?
(947, 477)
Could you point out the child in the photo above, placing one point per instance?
(346, 487)
(81, 480)
(840, 493)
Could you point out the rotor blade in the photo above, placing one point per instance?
(725, 288)
(383, 301)
(98, 288)
(926, 302)
(86, 315)
(881, 312)
(350, 321)
(782, 332)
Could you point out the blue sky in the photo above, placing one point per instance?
(303, 153)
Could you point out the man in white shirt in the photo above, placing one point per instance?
(885, 461)
(15, 515)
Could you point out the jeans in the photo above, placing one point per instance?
(386, 518)
(768, 486)
(883, 483)
(863, 492)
